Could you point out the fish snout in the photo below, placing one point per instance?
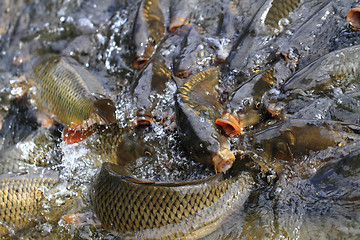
(140, 62)
(353, 17)
(223, 160)
(179, 23)
(229, 123)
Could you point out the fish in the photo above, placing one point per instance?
(197, 109)
(148, 31)
(181, 14)
(245, 103)
(120, 146)
(279, 9)
(143, 209)
(229, 27)
(150, 84)
(193, 55)
(339, 67)
(294, 139)
(20, 199)
(353, 17)
(38, 149)
(71, 95)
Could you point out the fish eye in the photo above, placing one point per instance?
(152, 41)
(257, 104)
(147, 152)
(258, 146)
(214, 47)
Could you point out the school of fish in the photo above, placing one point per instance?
(196, 74)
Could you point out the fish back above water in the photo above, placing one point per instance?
(150, 210)
(20, 197)
(70, 94)
(197, 109)
(149, 28)
(339, 66)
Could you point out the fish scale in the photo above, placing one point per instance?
(20, 197)
(70, 94)
(280, 9)
(127, 205)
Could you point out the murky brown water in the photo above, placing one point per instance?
(315, 194)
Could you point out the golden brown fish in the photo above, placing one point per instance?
(71, 95)
(149, 210)
(197, 108)
(20, 199)
(149, 29)
(149, 85)
(296, 139)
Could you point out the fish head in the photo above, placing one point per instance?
(221, 46)
(353, 17)
(229, 123)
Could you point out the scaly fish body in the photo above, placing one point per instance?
(116, 145)
(37, 150)
(20, 198)
(148, 86)
(150, 210)
(294, 139)
(335, 67)
(196, 110)
(69, 93)
(149, 29)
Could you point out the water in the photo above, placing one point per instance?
(308, 199)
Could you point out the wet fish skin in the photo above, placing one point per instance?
(197, 109)
(181, 13)
(37, 149)
(194, 54)
(67, 91)
(279, 9)
(245, 104)
(294, 139)
(119, 145)
(249, 95)
(337, 66)
(20, 198)
(148, 85)
(150, 210)
(149, 29)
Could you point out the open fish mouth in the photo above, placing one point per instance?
(140, 62)
(144, 119)
(223, 160)
(179, 23)
(353, 17)
(230, 124)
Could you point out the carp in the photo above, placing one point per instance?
(196, 110)
(71, 95)
(20, 199)
(150, 83)
(149, 29)
(155, 210)
(295, 139)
